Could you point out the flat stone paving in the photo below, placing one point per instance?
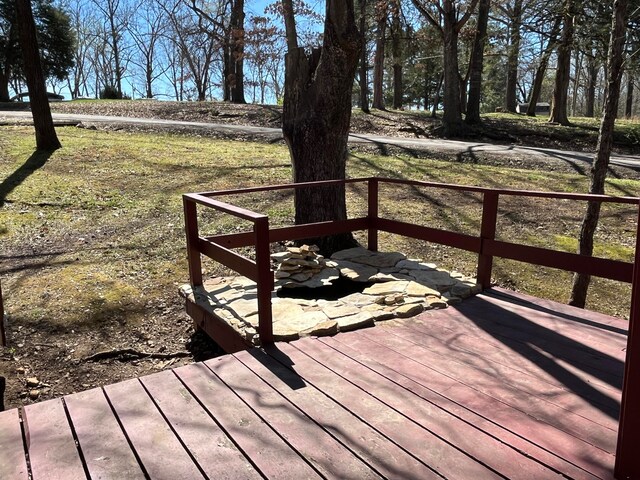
(401, 288)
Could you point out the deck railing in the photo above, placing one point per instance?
(219, 248)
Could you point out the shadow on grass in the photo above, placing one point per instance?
(36, 161)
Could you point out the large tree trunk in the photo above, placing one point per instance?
(513, 56)
(46, 138)
(628, 110)
(452, 118)
(364, 78)
(476, 64)
(316, 118)
(236, 53)
(561, 86)
(396, 51)
(536, 89)
(378, 61)
(603, 150)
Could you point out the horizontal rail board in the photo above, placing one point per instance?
(573, 262)
(286, 186)
(444, 237)
(234, 240)
(236, 262)
(224, 207)
(310, 230)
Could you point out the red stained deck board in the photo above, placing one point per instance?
(556, 410)
(376, 450)
(497, 345)
(161, 454)
(52, 450)
(94, 422)
(423, 444)
(217, 455)
(13, 463)
(271, 455)
(309, 439)
(520, 422)
(407, 366)
(471, 440)
(498, 364)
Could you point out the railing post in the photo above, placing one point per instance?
(265, 280)
(3, 334)
(627, 459)
(487, 232)
(191, 230)
(372, 214)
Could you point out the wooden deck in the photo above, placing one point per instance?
(503, 386)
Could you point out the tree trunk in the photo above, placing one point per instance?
(396, 51)
(363, 75)
(576, 82)
(476, 64)
(542, 68)
(628, 111)
(561, 87)
(378, 61)
(452, 117)
(436, 97)
(513, 56)
(316, 118)
(236, 52)
(592, 70)
(46, 138)
(603, 150)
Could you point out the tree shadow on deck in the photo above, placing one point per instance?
(550, 350)
(36, 161)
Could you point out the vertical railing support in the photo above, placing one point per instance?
(3, 333)
(193, 252)
(265, 280)
(627, 459)
(372, 214)
(487, 232)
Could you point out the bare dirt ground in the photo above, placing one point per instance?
(117, 334)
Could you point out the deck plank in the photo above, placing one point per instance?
(557, 410)
(94, 421)
(405, 365)
(217, 455)
(519, 421)
(373, 448)
(52, 449)
(472, 441)
(13, 463)
(161, 453)
(309, 439)
(444, 458)
(271, 455)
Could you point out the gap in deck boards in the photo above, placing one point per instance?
(315, 296)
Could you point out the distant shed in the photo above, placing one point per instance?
(541, 107)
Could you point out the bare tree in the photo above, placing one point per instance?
(115, 16)
(561, 86)
(476, 63)
(381, 13)
(46, 138)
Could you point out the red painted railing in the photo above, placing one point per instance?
(219, 247)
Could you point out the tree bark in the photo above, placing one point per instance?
(542, 68)
(236, 53)
(561, 86)
(592, 70)
(363, 75)
(603, 150)
(46, 138)
(513, 56)
(476, 64)
(316, 118)
(452, 117)
(378, 61)
(628, 110)
(396, 52)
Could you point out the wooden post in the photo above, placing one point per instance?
(265, 280)
(191, 229)
(627, 459)
(487, 232)
(3, 334)
(372, 215)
